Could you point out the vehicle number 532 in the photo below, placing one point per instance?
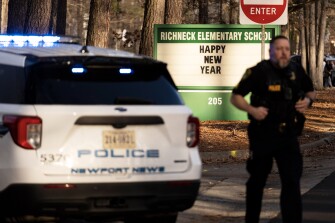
(214, 101)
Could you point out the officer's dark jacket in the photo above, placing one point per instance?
(276, 89)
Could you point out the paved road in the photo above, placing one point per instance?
(222, 193)
(319, 203)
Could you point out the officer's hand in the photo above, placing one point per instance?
(259, 113)
(302, 105)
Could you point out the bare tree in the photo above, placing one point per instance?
(37, 19)
(306, 36)
(317, 20)
(312, 45)
(220, 11)
(224, 12)
(99, 23)
(285, 29)
(1, 13)
(229, 11)
(173, 11)
(58, 17)
(313, 21)
(303, 40)
(234, 11)
(53, 19)
(80, 14)
(17, 10)
(321, 43)
(61, 17)
(4, 15)
(77, 18)
(203, 11)
(154, 12)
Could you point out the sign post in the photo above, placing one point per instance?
(263, 12)
(263, 43)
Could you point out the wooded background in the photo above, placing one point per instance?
(128, 24)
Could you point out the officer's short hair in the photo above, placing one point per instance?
(276, 38)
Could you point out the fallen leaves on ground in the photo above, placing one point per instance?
(232, 135)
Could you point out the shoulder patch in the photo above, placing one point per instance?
(247, 73)
(293, 76)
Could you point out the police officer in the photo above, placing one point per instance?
(281, 91)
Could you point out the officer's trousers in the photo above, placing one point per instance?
(285, 150)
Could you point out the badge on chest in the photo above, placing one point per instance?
(274, 87)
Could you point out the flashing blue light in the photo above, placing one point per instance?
(50, 39)
(125, 71)
(34, 40)
(78, 70)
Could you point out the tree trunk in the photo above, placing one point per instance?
(38, 17)
(1, 13)
(234, 12)
(321, 44)
(4, 16)
(53, 19)
(99, 23)
(61, 17)
(312, 47)
(303, 40)
(307, 23)
(174, 12)
(80, 21)
(17, 10)
(203, 11)
(153, 14)
(58, 17)
(317, 20)
(285, 29)
(225, 12)
(220, 12)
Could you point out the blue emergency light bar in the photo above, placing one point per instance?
(30, 39)
(35, 40)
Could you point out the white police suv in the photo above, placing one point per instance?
(92, 133)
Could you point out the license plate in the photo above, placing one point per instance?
(119, 139)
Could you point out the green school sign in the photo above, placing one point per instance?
(207, 61)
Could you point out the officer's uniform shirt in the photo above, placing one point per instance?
(274, 88)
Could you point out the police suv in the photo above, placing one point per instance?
(92, 133)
